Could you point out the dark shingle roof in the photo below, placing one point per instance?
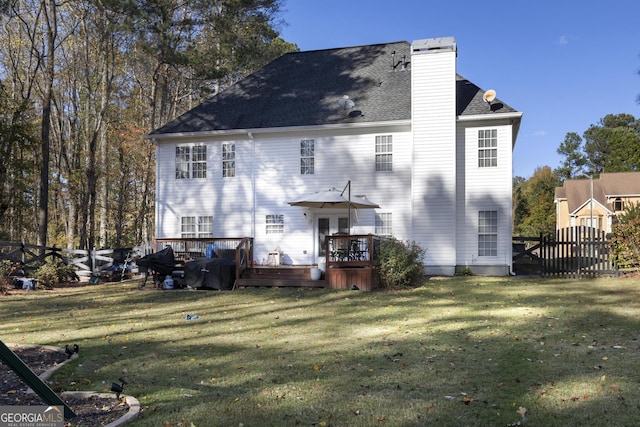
(303, 89)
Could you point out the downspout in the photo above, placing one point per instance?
(253, 184)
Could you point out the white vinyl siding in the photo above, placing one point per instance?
(433, 192)
(427, 173)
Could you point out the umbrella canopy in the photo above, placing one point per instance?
(333, 198)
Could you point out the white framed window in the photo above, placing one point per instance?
(487, 148)
(384, 153)
(183, 156)
(196, 226)
(384, 224)
(228, 159)
(487, 233)
(275, 224)
(199, 161)
(618, 204)
(307, 157)
(188, 227)
(191, 162)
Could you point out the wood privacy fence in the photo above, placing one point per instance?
(570, 252)
(30, 256)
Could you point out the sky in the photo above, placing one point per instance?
(564, 64)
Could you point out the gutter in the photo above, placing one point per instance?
(273, 130)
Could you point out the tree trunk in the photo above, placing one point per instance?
(43, 208)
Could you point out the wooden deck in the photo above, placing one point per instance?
(280, 276)
(351, 261)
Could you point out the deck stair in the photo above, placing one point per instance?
(279, 276)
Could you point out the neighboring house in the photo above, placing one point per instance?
(413, 136)
(597, 202)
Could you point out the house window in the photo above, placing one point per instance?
(275, 224)
(383, 224)
(384, 153)
(196, 226)
(307, 153)
(488, 233)
(228, 160)
(618, 204)
(191, 162)
(487, 148)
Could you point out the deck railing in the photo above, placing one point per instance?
(360, 250)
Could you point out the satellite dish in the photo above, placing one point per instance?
(346, 103)
(489, 96)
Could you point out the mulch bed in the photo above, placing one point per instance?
(90, 412)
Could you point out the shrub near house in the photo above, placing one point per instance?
(625, 238)
(401, 263)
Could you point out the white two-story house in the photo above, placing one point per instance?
(396, 120)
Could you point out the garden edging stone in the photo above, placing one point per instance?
(132, 402)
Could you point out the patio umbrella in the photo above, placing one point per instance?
(334, 198)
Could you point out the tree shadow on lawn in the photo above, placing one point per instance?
(449, 353)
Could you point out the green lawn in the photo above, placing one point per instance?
(465, 351)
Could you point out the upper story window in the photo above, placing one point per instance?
(307, 156)
(191, 162)
(384, 224)
(196, 226)
(228, 159)
(487, 148)
(618, 204)
(487, 233)
(275, 224)
(384, 153)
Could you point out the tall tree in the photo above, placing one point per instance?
(31, 31)
(95, 76)
(18, 143)
(537, 203)
(575, 160)
(50, 12)
(612, 145)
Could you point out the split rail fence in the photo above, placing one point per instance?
(88, 261)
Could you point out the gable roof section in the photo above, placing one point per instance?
(608, 185)
(303, 89)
